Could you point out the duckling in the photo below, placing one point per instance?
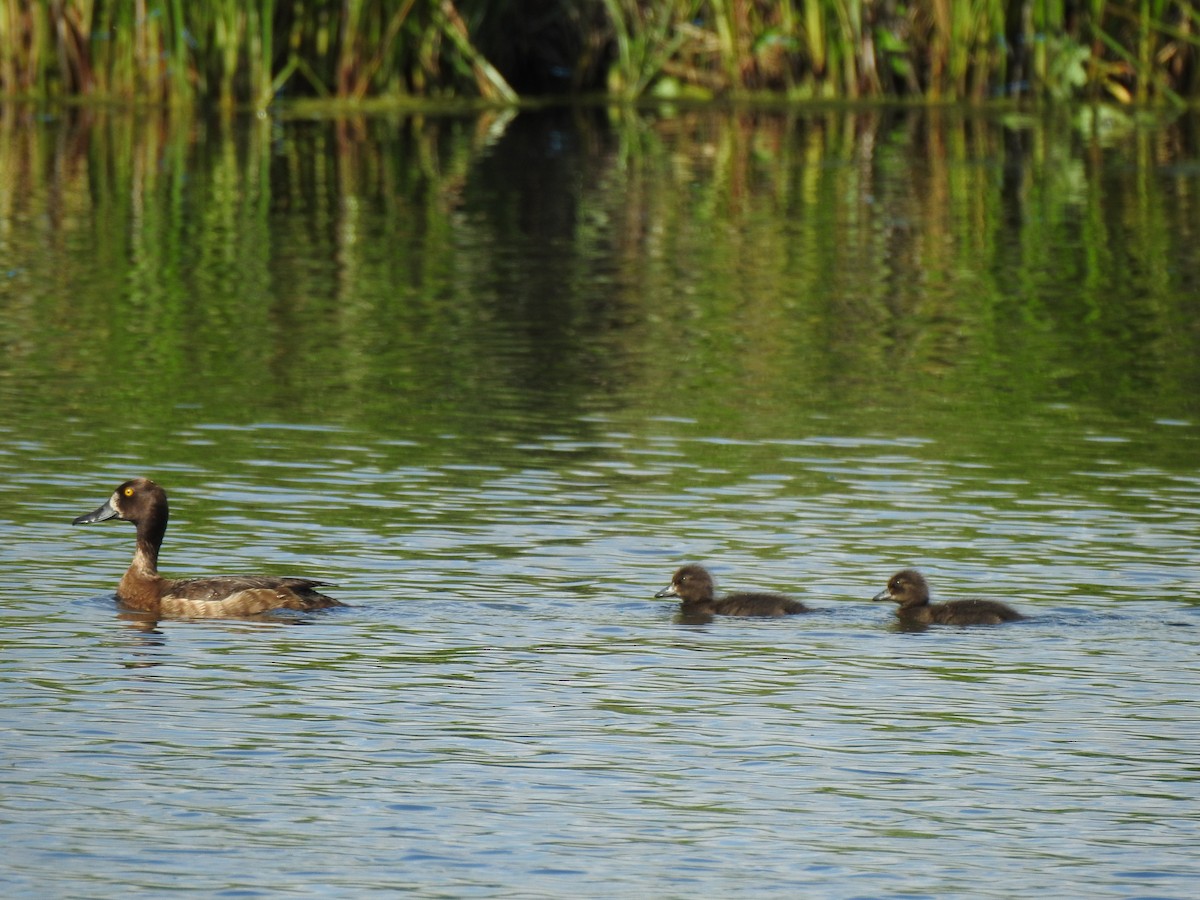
(694, 587)
(144, 503)
(909, 589)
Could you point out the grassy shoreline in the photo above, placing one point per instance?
(229, 54)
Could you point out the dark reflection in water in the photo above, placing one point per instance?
(505, 271)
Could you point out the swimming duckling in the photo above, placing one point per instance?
(144, 503)
(909, 589)
(694, 587)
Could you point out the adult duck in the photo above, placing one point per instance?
(144, 503)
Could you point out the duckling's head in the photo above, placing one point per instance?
(908, 588)
(137, 500)
(691, 584)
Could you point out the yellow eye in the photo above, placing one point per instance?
(128, 492)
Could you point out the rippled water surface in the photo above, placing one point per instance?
(498, 486)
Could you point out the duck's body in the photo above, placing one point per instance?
(221, 595)
(144, 503)
(697, 595)
(910, 590)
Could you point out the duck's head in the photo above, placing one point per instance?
(137, 500)
(908, 588)
(690, 584)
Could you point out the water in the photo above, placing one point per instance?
(497, 380)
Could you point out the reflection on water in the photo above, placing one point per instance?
(497, 380)
(926, 266)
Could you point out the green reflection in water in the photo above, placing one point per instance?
(768, 274)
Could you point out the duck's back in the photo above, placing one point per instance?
(757, 604)
(972, 612)
(242, 595)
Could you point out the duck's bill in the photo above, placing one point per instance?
(106, 511)
(668, 591)
(882, 595)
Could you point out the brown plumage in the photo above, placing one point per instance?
(910, 590)
(697, 594)
(144, 503)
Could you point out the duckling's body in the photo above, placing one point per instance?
(144, 503)
(910, 590)
(697, 594)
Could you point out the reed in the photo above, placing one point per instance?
(229, 53)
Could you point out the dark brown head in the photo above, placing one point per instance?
(139, 501)
(908, 588)
(691, 584)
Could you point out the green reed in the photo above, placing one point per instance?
(231, 53)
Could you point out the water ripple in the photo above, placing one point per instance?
(505, 676)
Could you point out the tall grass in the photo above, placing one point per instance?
(230, 52)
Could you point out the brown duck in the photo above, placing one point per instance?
(144, 503)
(910, 590)
(697, 594)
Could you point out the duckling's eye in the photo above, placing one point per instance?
(128, 492)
